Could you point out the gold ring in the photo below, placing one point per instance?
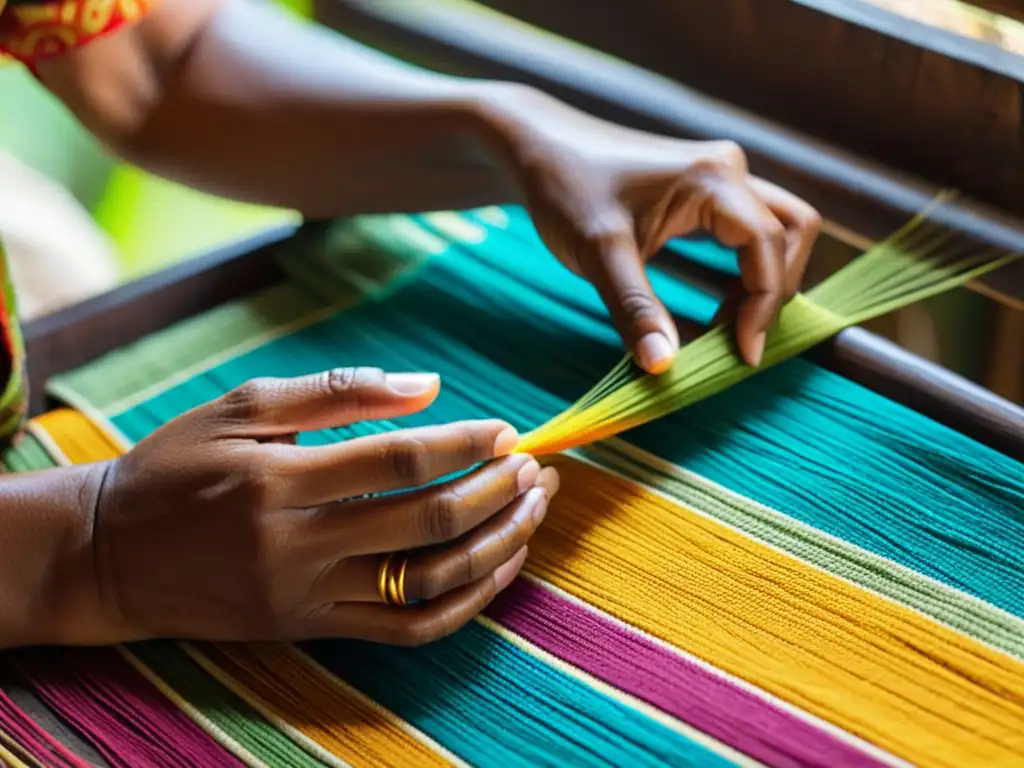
(382, 577)
(400, 592)
(391, 581)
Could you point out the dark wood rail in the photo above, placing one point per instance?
(923, 99)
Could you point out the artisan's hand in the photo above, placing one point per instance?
(606, 198)
(218, 526)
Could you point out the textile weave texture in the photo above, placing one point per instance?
(796, 572)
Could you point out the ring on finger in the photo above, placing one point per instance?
(391, 579)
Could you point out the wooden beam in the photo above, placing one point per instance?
(915, 97)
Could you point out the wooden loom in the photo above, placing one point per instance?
(451, 39)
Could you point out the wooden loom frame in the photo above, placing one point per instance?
(865, 199)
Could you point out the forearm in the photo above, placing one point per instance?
(47, 587)
(260, 108)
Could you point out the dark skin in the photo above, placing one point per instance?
(217, 526)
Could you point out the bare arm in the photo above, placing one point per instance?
(240, 100)
(47, 589)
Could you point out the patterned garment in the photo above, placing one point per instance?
(29, 31)
(13, 389)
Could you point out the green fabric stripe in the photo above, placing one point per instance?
(327, 271)
(27, 456)
(224, 710)
(967, 614)
(164, 355)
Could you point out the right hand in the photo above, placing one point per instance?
(219, 527)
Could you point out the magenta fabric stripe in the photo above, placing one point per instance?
(17, 724)
(113, 707)
(641, 668)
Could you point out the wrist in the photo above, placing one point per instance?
(49, 591)
(505, 119)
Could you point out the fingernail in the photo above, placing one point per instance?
(654, 352)
(757, 348)
(538, 501)
(412, 383)
(505, 574)
(506, 441)
(527, 476)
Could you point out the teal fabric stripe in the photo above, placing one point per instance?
(706, 252)
(796, 438)
(492, 704)
(220, 707)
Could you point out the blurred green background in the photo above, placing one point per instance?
(142, 214)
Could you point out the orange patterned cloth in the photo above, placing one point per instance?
(31, 30)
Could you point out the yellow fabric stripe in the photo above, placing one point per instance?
(7, 758)
(882, 672)
(11, 753)
(279, 681)
(80, 439)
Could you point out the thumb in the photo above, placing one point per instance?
(268, 407)
(616, 269)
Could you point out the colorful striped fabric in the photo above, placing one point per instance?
(797, 572)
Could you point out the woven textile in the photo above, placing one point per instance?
(796, 572)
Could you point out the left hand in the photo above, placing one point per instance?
(606, 198)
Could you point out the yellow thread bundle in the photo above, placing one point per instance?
(919, 261)
(703, 368)
(871, 666)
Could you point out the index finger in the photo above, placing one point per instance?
(619, 274)
(406, 458)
